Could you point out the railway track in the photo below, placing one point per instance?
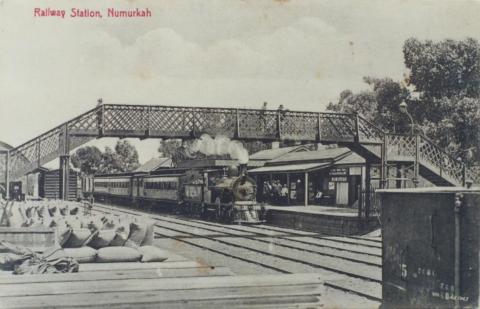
(351, 264)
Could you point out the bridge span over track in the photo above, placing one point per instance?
(148, 121)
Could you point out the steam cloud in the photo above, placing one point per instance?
(221, 145)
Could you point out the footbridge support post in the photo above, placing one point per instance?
(6, 154)
(368, 188)
(64, 170)
(64, 175)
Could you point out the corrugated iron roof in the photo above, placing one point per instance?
(270, 154)
(306, 167)
(352, 158)
(316, 155)
(154, 164)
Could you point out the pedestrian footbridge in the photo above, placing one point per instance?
(152, 121)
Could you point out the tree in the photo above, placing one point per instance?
(379, 104)
(88, 159)
(363, 103)
(126, 156)
(459, 130)
(442, 91)
(109, 162)
(168, 147)
(446, 75)
(443, 69)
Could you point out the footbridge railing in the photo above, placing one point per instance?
(146, 121)
(143, 121)
(423, 152)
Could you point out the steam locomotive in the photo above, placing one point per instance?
(215, 194)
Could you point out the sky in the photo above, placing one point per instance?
(226, 53)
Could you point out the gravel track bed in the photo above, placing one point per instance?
(287, 266)
(337, 245)
(353, 241)
(356, 285)
(352, 268)
(279, 242)
(204, 256)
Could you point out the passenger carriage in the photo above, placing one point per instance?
(210, 194)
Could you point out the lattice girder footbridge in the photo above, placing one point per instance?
(148, 121)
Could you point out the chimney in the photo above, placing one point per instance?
(275, 145)
(242, 169)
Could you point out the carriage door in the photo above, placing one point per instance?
(132, 187)
(137, 186)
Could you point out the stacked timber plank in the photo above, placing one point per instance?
(171, 284)
(175, 283)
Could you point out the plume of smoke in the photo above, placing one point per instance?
(221, 145)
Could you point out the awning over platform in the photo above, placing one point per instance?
(292, 168)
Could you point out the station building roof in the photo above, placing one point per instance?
(291, 168)
(154, 164)
(308, 161)
(351, 159)
(270, 154)
(320, 155)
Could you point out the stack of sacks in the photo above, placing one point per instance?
(39, 213)
(101, 238)
(109, 239)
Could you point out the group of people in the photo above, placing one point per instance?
(274, 192)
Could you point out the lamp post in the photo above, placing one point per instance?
(404, 110)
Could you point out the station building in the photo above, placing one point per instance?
(327, 175)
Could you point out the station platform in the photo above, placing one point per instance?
(339, 221)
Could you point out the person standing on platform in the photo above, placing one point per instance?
(277, 191)
(284, 194)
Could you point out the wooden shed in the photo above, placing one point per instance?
(51, 185)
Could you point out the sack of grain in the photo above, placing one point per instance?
(52, 210)
(119, 240)
(74, 211)
(102, 239)
(81, 255)
(74, 222)
(79, 238)
(138, 232)
(118, 254)
(153, 254)
(63, 233)
(15, 217)
(148, 240)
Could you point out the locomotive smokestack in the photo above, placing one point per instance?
(242, 169)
